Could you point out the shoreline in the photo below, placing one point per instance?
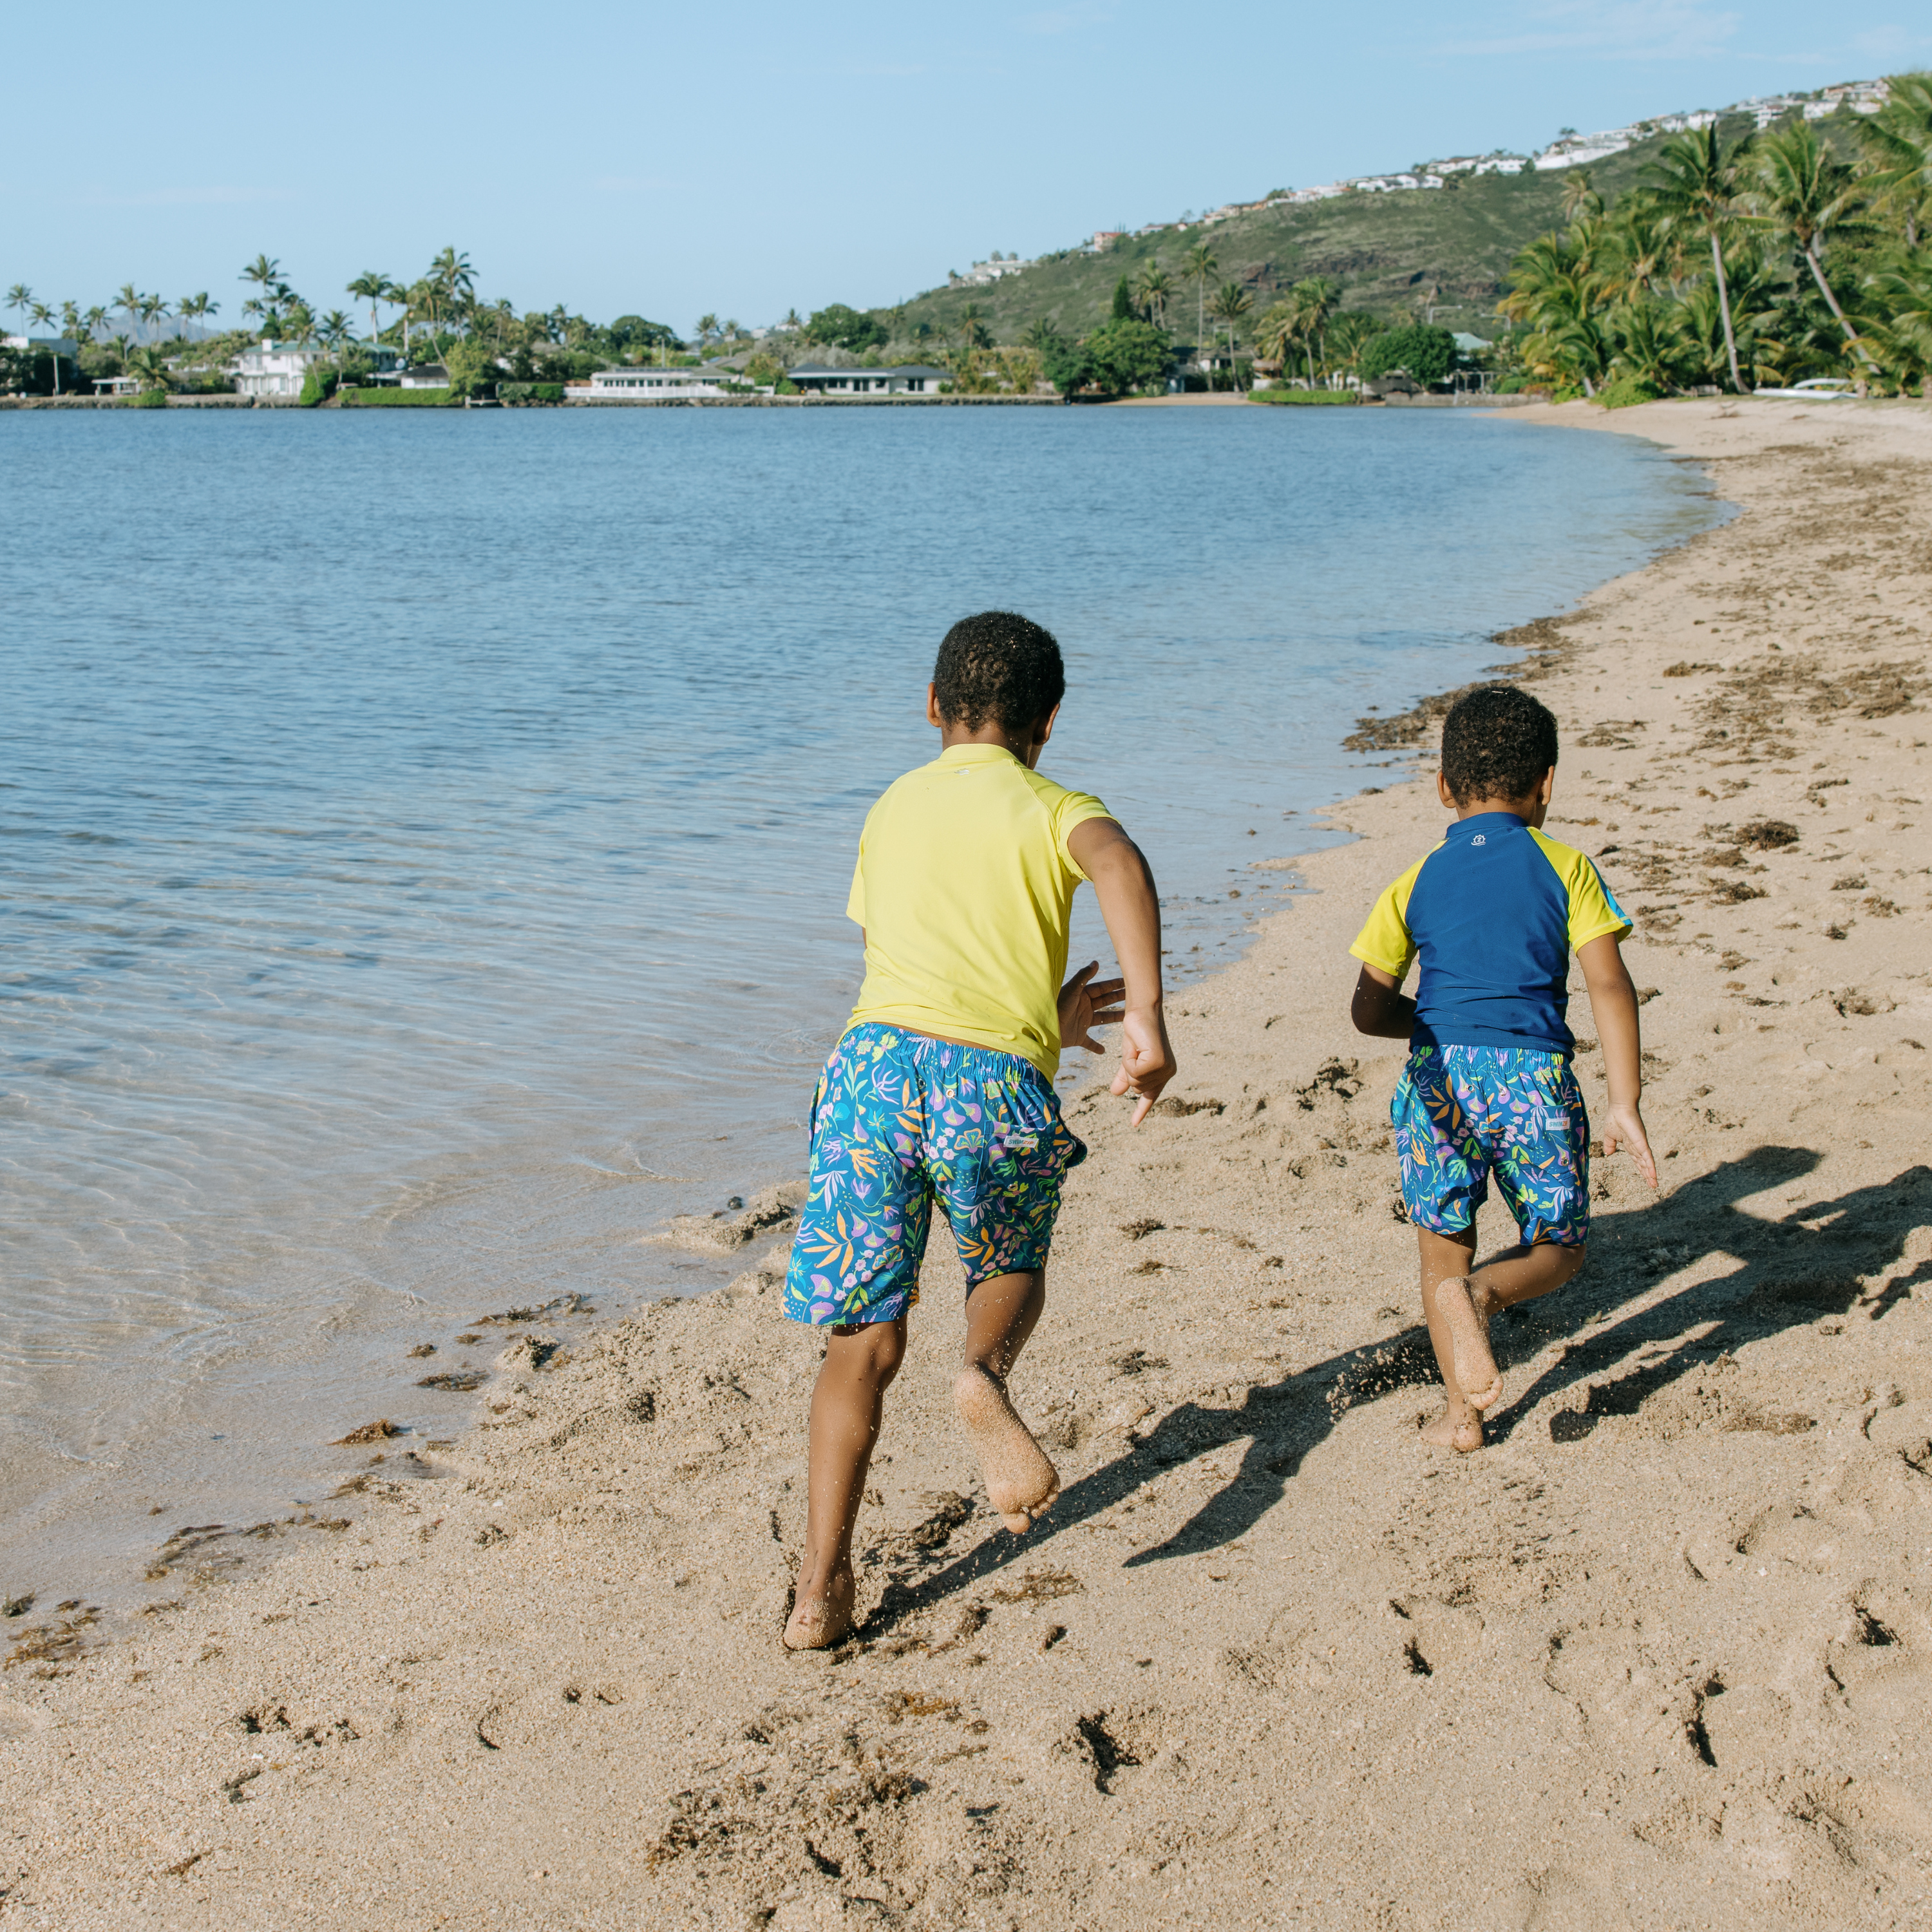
(1265, 1648)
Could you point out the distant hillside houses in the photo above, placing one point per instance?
(982, 273)
(1567, 151)
(1579, 151)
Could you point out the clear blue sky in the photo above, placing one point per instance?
(625, 160)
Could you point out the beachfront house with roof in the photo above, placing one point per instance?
(279, 369)
(647, 385)
(904, 378)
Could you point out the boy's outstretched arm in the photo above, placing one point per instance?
(1380, 1007)
(1124, 885)
(1613, 1001)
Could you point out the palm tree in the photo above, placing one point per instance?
(707, 327)
(1641, 256)
(128, 299)
(1897, 141)
(151, 364)
(1040, 334)
(1312, 301)
(1276, 333)
(264, 271)
(372, 287)
(1152, 291)
(1555, 289)
(44, 315)
(92, 321)
(1580, 200)
(196, 308)
(1902, 289)
(974, 332)
(20, 298)
(1197, 265)
(1694, 184)
(1347, 335)
(452, 274)
(153, 309)
(335, 329)
(1804, 190)
(1231, 301)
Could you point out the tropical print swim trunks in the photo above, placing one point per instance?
(898, 1120)
(1463, 1112)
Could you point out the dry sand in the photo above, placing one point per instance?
(1658, 1657)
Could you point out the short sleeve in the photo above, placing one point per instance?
(1072, 808)
(1593, 910)
(1385, 942)
(855, 900)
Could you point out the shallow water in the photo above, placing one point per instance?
(427, 836)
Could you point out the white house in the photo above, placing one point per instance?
(280, 368)
(904, 379)
(648, 386)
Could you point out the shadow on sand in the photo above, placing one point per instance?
(1788, 1272)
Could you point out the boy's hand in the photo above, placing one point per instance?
(1086, 1002)
(1146, 1060)
(1626, 1124)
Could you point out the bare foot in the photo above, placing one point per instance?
(1020, 1482)
(1462, 1436)
(1477, 1374)
(823, 1617)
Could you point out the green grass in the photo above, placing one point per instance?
(392, 399)
(1302, 398)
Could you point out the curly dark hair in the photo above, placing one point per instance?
(1497, 743)
(998, 665)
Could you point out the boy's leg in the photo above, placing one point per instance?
(1000, 1313)
(1458, 1302)
(847, 1402)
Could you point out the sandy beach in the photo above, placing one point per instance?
(1660, 1655)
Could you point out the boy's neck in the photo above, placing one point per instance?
(1532, 810)
(1025, 745)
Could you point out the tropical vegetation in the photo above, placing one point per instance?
(1756, 260)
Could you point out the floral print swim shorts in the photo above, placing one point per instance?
(1461, 1113)
(899, 1119)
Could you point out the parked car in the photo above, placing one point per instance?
(1816, 389)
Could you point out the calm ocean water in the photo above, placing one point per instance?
(426, 839)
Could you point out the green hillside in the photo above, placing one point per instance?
(1389, 252)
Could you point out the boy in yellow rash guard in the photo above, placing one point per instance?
(942, 1084)
(1494, 913)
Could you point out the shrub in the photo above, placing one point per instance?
(530, 392)
(418, 399)
(1623, 391)
(1302, 398)
(845, 327)
(1124, 356)
(1424, 353)
(316, 387)
(149, 399)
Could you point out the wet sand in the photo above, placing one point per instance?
(1656, 1657)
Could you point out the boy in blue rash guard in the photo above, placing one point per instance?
(1494, 914)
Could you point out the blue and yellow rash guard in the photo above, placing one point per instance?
(1494, 912)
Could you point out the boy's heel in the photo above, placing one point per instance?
(1476, 1375)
